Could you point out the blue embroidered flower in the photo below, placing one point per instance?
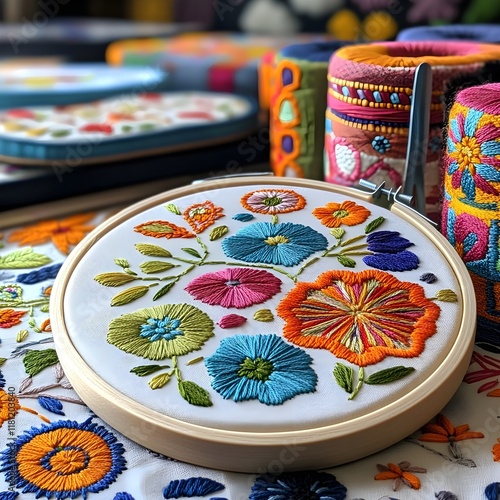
(390, 252)
(191, 487)
(309, 485)
(381, 144)
(64, 459)
(284, 244)
(261, 367)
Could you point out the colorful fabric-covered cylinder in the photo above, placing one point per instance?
(298, 100)
(368, 109)
(487, 33)
(471, 205)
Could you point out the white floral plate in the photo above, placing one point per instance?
(244, 323)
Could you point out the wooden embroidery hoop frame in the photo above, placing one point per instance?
(259, 452)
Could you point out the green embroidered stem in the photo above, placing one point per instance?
(26, 304)
(352, 240)
(354, 247)
(257, 266)
(47, 395)
(349, 253)
(32, 322)
(305, 266)
(361, 379)
(176, 371)
(195, 360)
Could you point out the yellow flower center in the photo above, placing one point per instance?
(468, 154)
(276, 240)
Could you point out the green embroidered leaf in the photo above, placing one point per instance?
(122, 263)
(374, 224)
(23, 259)
(195, 360)
(162, 291)
(2, 361)
(346, 261)
(263, 315)
(157, 227)
(389, 375)
(192, 251)
(218, 232)
(274, 219)
(446, 296)
(126, 128)
(344, 375)
(159, 381)
(114, 279)
(337, 232)
(155, 266)
(22, 335)
(194, 394)
(35, 361)
(173, 208)
(152, 250)
(129, 295)
(45, 308)
(143, 370)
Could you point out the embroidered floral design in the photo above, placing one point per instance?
(442, 431)
(9, 406)
(11, 293)
(298, 485)
(401, 473)
(162, 229)
(63, 233)
(496, 451)
(389, 252)
(9, 317)
(234, 287)
(202, 215)
(360, 317)
(260, 367)
(473, 151)
(161, 332)
(469, 235)
(336, 214)
(273, 201)
(65, 459)
(285, 244)
(489, 369)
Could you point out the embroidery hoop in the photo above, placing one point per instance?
(250, 452)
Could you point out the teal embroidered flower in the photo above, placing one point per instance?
(11, 293)
(64, 459)
(283, 244)
(262, 367)
(161, 332)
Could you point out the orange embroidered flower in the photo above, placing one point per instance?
(45, 326)
(361, 317)
(202, 215)
(442, 431)
(9, 317)
(400, 473)
(335, 214)
(62, 233)
(9, 406)
(496, 451)
(162, 229)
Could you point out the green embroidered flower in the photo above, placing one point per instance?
(161, 332)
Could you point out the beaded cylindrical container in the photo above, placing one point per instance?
(369, 103)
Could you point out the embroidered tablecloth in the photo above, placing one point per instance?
(53, 446)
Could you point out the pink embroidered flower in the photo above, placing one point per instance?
(273, 201)
(234, 287)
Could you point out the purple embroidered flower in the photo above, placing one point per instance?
(298, 486)
(234, 287)
(390, 252)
